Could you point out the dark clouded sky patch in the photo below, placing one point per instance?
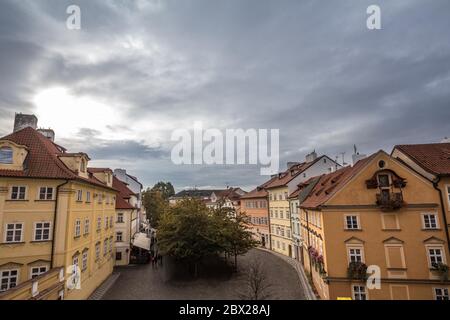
(139, 69)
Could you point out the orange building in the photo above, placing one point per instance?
(378, 218)
(255, 205)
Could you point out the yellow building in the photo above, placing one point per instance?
(380, 218)
(54, 212)
(280, 187)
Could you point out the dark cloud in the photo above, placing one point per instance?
(308, 68)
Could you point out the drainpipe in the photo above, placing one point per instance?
(54, 222)
(444, 216)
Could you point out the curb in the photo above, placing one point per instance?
(308, 291)
(104, 287)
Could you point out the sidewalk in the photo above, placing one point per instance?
(309, 293)
(104, 287)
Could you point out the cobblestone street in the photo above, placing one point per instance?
(142, 282)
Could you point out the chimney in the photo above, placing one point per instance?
(311, 157)
(21, 121)
(48, 133)
(356, 156)
(291, 164)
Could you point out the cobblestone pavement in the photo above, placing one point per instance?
(142, 282)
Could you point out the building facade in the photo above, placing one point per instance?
(136, 187)
(279, 189)
(54, 213)
(126, 222)
(255, 205)
(377, 216)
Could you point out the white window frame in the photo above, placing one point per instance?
(42, 230)
(106, 222)
(119, 233)
(9, 277)
(77, 228)
(38, 272)
(15, 229)
(46, 193)
(436, 218)
(442, 294)
(435, 247)
(358, 223)
(111, 222)
(365, 292)
(99, 223)
(110, 244)
(355, 247)
(18, 198)
(88, 196)
(76, 260)
(105, 247)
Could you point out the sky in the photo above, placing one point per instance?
(138, 70)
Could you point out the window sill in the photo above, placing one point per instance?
(40, 200)
(431, 229)
(12, 243)
(353, 230)
(77, 237)
(13, 200)
(391, 229)
(41, 241)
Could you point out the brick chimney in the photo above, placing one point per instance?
(21, 121)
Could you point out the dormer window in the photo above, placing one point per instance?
(6, 155)
(383, 181)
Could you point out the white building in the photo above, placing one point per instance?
(134, 185)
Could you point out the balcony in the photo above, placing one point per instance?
(390, 201)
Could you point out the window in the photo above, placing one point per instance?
(18, 193)
(351, 222)
(97, 251)
(106, 222)
(111, 222)
(120, 218)
(110, 244)
(14, 232)
(75, 261)
(359, 293)
(355, 255)
(383, 180)
(77, 228)
(430, 221)
(86, 226)
(84, 260)
(283, 245)
(435, 255)
(88, 196)
(6, 155)
(99, 223)
(119, 236)
(99, 198)
(37, 271)
(281, 214)
(46, 193)
(118, 255)
(79, 195)
(285, 196)
(105, 247)
(8, 279)
(441, 293)
(42, 231)
(448, 194)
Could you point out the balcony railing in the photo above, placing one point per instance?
(390, 201)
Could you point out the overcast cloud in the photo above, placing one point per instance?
(139, 69)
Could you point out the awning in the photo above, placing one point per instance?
(141, 241)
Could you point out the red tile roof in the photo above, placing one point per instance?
(433, 157)
(330, 183)
(124, 194)
(285, 177)
(42, 160)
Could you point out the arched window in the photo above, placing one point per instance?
(6, 155)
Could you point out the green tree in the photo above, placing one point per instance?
(188, 232)
(155, 205)
(166, 189)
